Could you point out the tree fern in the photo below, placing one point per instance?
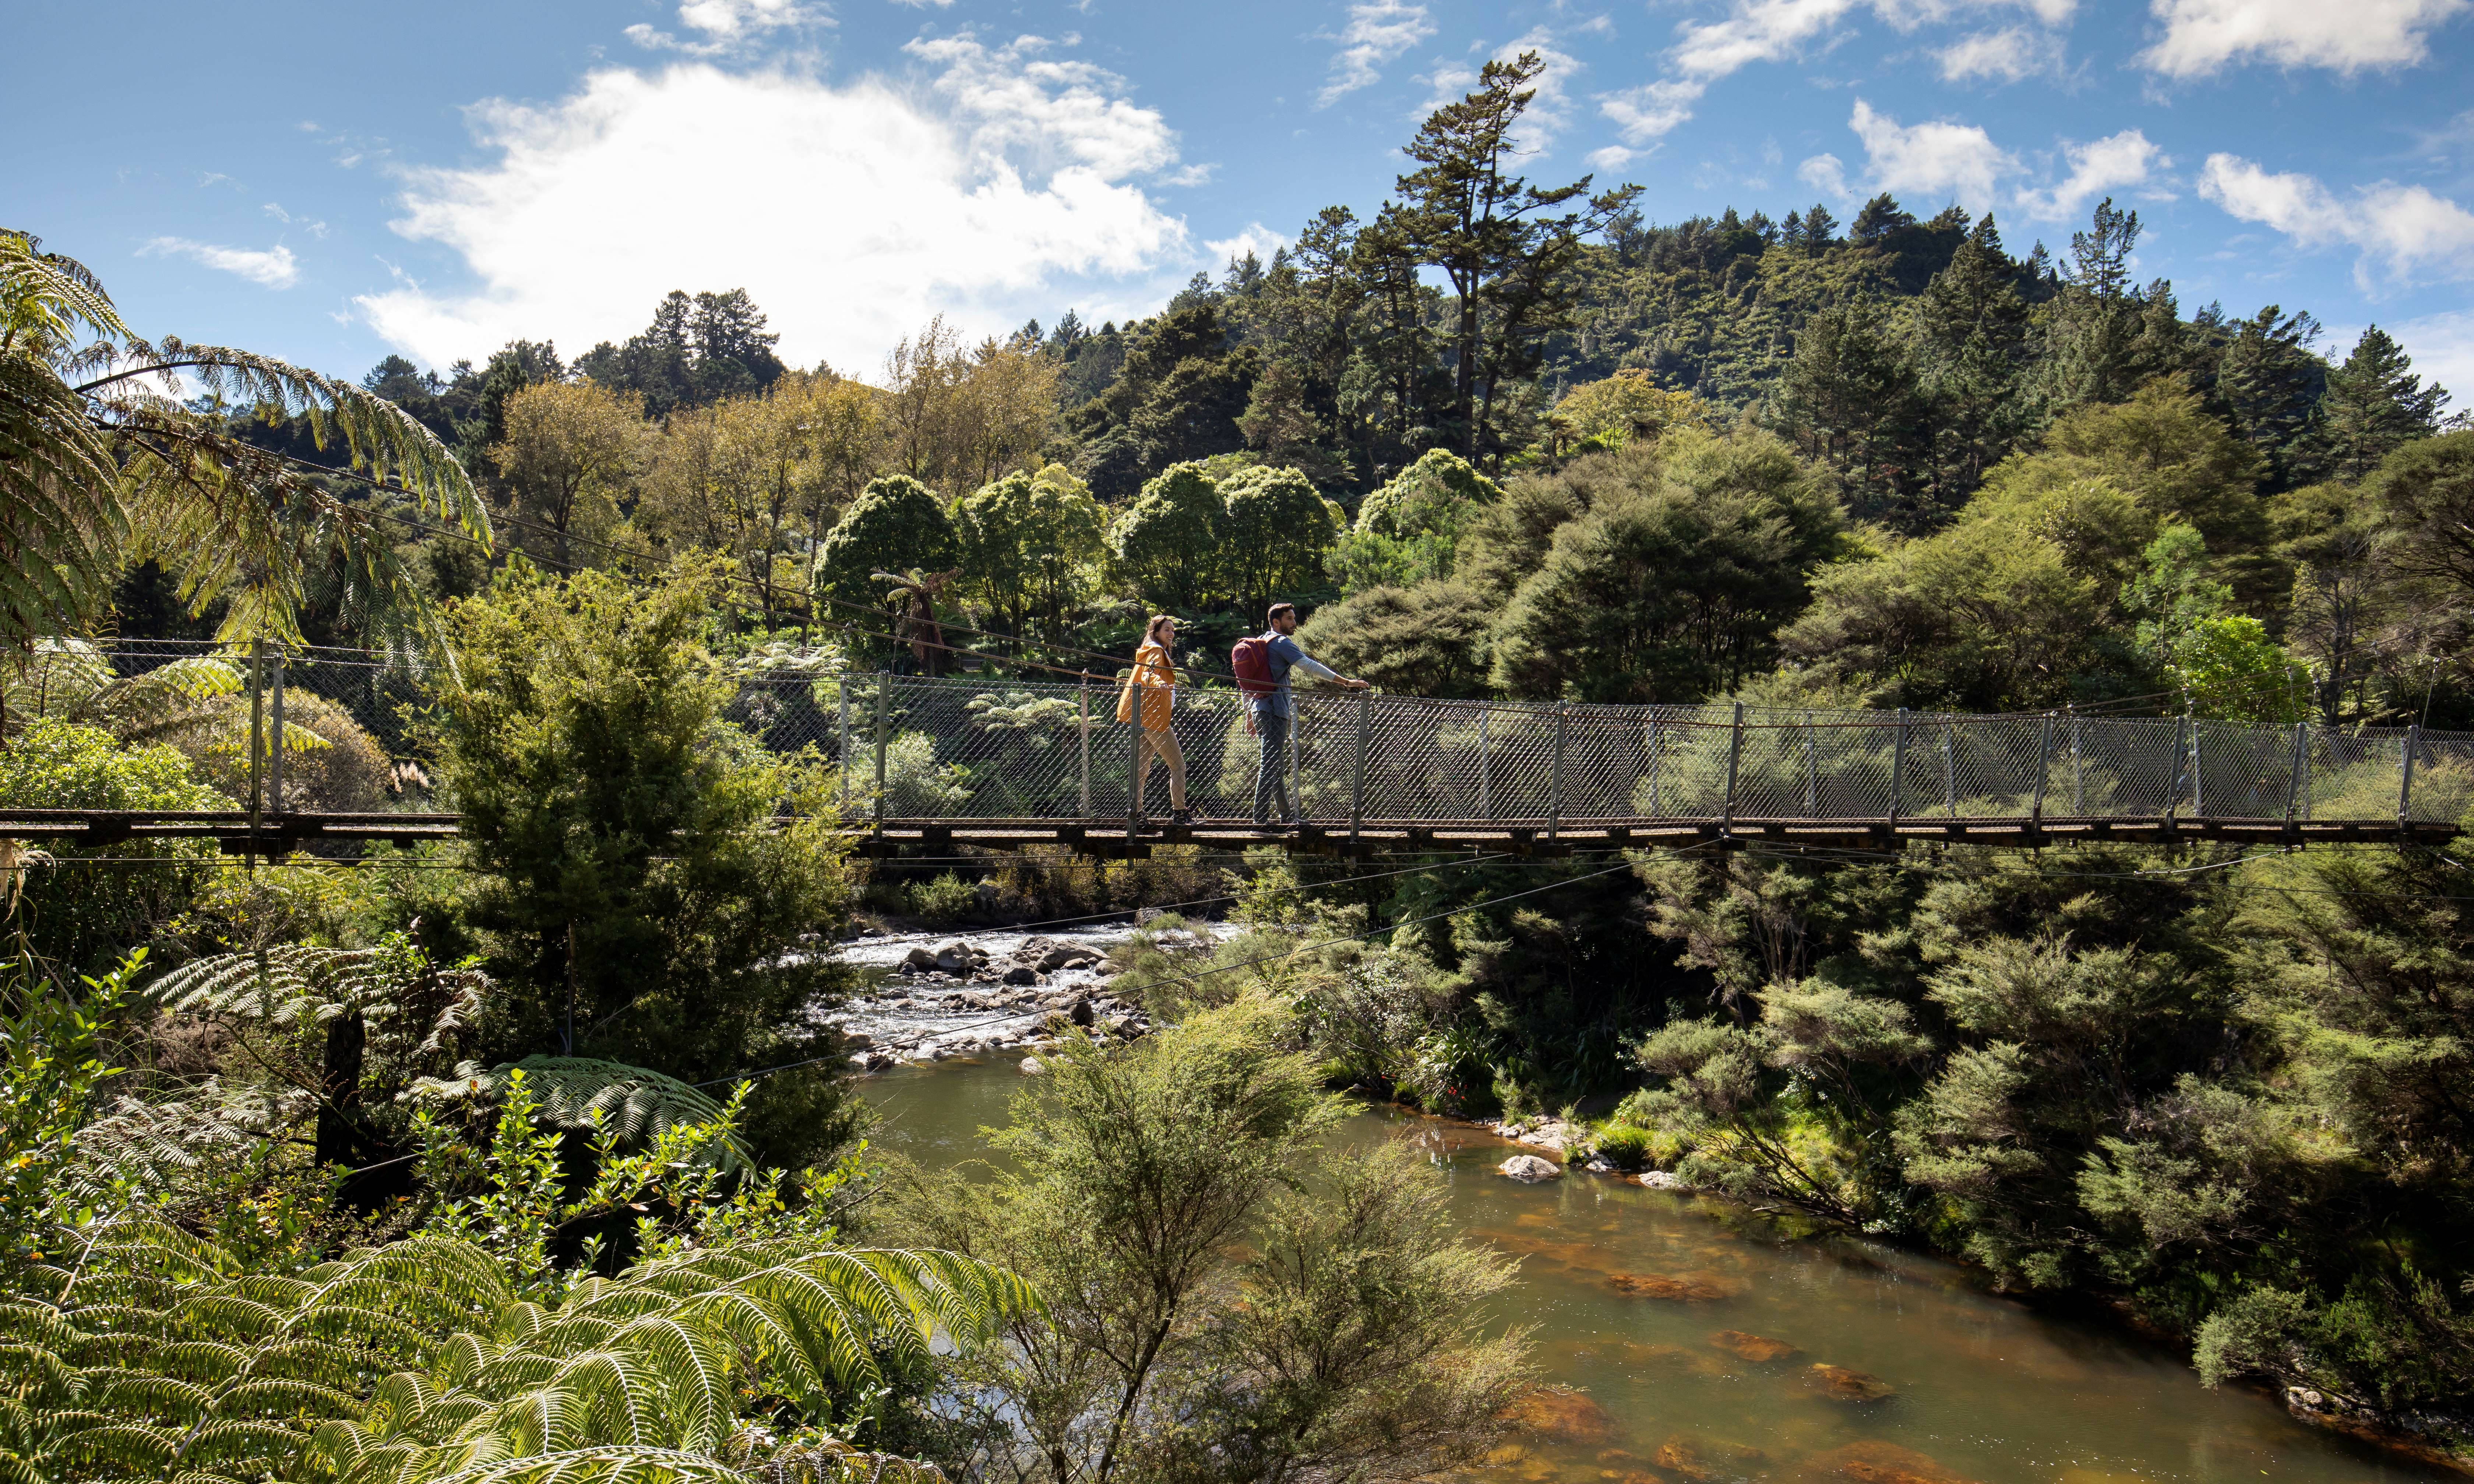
(635, 1104)
(99, 464)
(143, 1356)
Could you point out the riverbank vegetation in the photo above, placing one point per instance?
(470, 1117)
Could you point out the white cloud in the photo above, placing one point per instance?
(1645, 112)
(1759, 31)
(1257, 238)
(1825, 173)
(310, 224)
(729, 25)
(2202, 36)
(2441, 347)
(2403, 228)
(1936, 162)
(1613, 157)
(2123, 159)
(275, 267)
(2010, 55)
(1377, 32)
(998, 183)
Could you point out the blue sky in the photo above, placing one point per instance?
(332, 183)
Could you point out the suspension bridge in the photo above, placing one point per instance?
(1003, 764)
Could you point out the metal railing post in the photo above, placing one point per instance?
(2302, 765)
(883, 735)
(1141, 774)
(1485, 764)
(1811, 771)
(2044, 764)
(1298, 757)
(1555, 804)
(1657, 754)
(1735, 758)
(257, 738)
(2174, 799)
(2198, 778)
(1898, 767)
(2079, 774)
(275, 741)
(843, 752)
(1949, 768)
(1357, 772)
(2405, 773)
(1083, 723)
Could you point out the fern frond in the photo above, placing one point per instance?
(578, 1095)
(603, 1466)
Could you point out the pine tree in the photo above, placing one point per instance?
(2094, 353)
(2375, 405)
(1820, 227)
(1970, 329)
(2271, 383)
(1851, 401)
(1506, 247)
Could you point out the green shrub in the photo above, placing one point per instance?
(1622, 1145)
(946, 898)
(81, 920)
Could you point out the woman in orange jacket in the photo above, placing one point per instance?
(1154, 683)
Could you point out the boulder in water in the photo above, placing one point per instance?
(958, 957)
(1760, 1348)
(1873, 1462)
(1671, 1290)
(1705, 1459)
(1529, 1169)
(1841, 1385)
(920, 961)
(1032, 1066)
(1563, 1415)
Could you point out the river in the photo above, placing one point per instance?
(1722, 1380)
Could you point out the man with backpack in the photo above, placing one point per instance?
(1263, 664)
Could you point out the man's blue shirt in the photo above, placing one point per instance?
(1285, 656)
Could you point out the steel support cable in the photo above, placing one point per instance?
(1852, 857)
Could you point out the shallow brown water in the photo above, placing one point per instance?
(1705, 1342)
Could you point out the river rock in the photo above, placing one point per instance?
(1662, 1180)
(1032, 1066)
(1705, 1459)
(1529, 1169)
(1760, 1348)
(958, 957)
(1563, 1415)
(1841, 1385)
(921, 961)
(1671, 1290)
(1022, 974)
(1873, 1462)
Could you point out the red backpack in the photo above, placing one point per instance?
(1251, 661)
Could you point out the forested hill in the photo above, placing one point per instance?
(1506, 437)
(1909, 356)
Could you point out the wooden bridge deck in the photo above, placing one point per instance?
(275, 834)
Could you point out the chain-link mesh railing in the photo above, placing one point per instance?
(916, 748)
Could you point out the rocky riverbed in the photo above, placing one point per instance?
(936, 996)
